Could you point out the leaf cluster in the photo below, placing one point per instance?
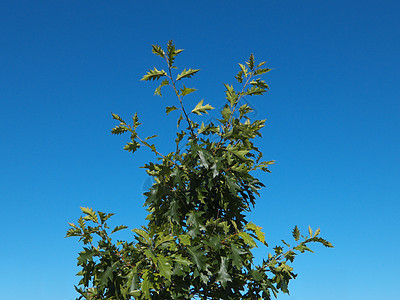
(198, 242)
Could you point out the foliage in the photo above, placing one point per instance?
(198, 243)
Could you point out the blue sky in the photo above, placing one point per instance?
(333, 128)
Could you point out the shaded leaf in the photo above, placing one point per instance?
(296, 233)
(223, 277)
(168, 109)
(236, 255)
(164, 266)
(198, 256)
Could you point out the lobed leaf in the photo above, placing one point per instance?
(116, 117)
(250, 63)
(164, 266)
(186, 91)
(296, 233)
(132, 146)
(172, 52)
(143, 234)
(222, 276)
(158, 50)
(154, 75)
(118, 228)
(187, 74)
(119, 130)
(247, 239)
(200, 108)
(198, 256)
(168, 109)
(90, 214)
(158, 89)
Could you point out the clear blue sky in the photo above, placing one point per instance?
(333, 128)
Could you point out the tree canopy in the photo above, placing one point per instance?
(198, 241)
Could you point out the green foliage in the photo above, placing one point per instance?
(198, 243)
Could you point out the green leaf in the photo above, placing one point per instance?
(73, 231)
(200, 108)
(146, 284)
(223, 277)
(158, 89)
(250, 63)
(317, 232)
(290, 255)
(236, 255)
(135, 120)
(310, 231)
(143, 234)
(244, 70)
(163, 239)
(296, 233)
(187, 74)
(132, 146)
(118, 118)
(198, 256)
(185, 239)
(164, 266)
(239, 76)
(179, 120)
(90, 214)
(104, 217)
(182, 260)
(186, 91)
(241, 154)
(81, 222)
(226, 112)
(134, 280)
(248, 239)
(204, 278)
(149, 252)
(168, 109)
(214, 242)
(172, 53)
(86, 255)
(151, 137)
(118, 228)
(231, 95)
(261, 64)
(119, 130)
(107, 275)
(261, 71)
(319, 240)
(260, 84)
(154, 75)
(157, 50)
(203, 161)
(257, 230)
(303, 248)
(255, 90)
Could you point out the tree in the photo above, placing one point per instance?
(198, 242)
